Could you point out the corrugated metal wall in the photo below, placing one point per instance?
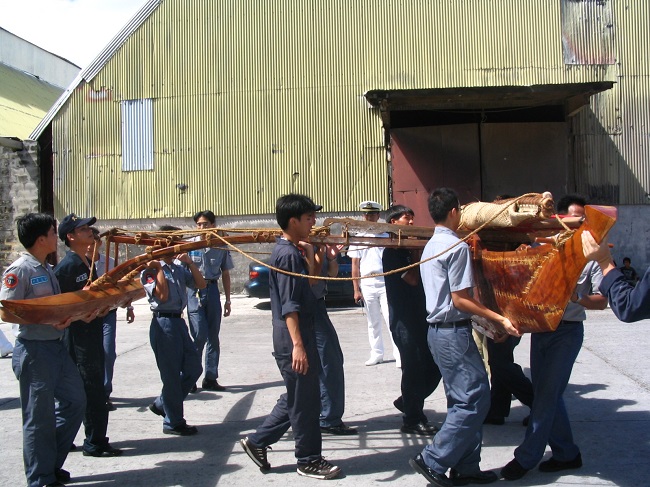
(254, 99)
(611, 140)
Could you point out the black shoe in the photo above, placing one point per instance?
(399, 404)
(212, 385)
(342, 429)
(526, 420)
(497, 420)
(107, 451)
(156, 410)
(256, 453)
(182, 430)
(73, 447)
(62, 475)
(479, 477)
(554, 465)
(513, 470)
(194, 389)
(434, 478)
(109, 405)
(318, 469)
(421, 428)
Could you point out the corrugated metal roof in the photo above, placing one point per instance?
(24, 100)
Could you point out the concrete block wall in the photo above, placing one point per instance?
(19, 194)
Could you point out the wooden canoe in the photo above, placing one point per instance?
(530, 287)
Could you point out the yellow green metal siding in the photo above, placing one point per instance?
(255, 99)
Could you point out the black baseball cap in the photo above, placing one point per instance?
(72, 221)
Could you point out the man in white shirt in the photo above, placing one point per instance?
(371, 292)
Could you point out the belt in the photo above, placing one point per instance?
(160, 314)
(212, 281)
(452, 324)
(568, 322)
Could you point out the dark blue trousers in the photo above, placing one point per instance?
(420, 374)
(331, 377)
(179, 364)
(86, 345)
(299, 407)
(507, 378)
(53, 401)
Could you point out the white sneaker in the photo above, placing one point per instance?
(374, 360)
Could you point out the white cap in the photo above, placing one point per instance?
(369, 206)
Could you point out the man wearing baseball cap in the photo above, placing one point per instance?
(85, 339)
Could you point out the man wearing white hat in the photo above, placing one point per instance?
(372, 291)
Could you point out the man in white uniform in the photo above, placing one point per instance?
(371, 292)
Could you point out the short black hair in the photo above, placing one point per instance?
(168, 228)
(293, 205)
(441, 202)
(627, 259)
(396, 212)
(568, 200)
(32, 226)
(206, 214)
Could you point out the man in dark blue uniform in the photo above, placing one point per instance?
(85, 339)
(52, 397)
(204, 307)
(294, 344)
(408, 324)
(178, 361)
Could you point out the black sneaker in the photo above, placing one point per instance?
(319, 469)
(341, 429)
(256, 453)
(480, 477)
(182, 430)
(107, 451)
(156, 410)
(513, 470)
(421, 428)
(194, 389)
(554, 465)
(212, 385)
(109, 405)
(62, 475)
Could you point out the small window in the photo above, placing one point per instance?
(137, 135)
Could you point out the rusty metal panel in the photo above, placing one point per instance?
(587, 31)
(425, 158)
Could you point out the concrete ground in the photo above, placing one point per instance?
(608, 399)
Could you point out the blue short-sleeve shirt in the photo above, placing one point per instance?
(212, 262)
(27, 278)
(179, 278)
(447, 273)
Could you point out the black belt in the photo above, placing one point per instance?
(160, 314)
(212, 281)
(452, 324)
(568, 322)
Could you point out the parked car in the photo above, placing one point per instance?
(257, 285)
